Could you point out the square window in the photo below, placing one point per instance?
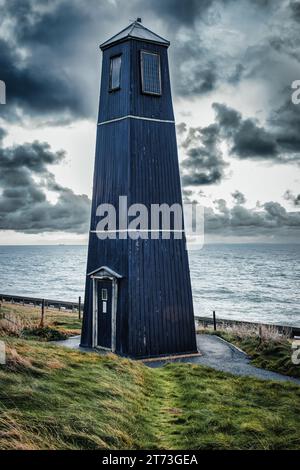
(151, 73)
(103, 294)
(115, 73)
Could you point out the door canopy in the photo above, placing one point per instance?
(104, 273)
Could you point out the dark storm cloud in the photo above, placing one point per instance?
(2, 134)
(180, 12)
(279, 143)
(200, 65)
(295, 9)
(58, 25)
(34, 88)
(39, 58)
(197, 67)
(188, 12)
(248, 139)
(196, 77)
(24, 178)
(49, 56)
(285, 123)
(204, 164)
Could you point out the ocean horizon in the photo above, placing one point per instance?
(256, 282)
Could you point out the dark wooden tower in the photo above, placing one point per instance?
(138, 299)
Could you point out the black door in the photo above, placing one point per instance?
(104, 313)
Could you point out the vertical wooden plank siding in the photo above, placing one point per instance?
(138, 158)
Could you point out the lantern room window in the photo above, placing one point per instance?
(151, 73)
(115, 73)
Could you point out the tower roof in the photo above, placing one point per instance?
(138, 32)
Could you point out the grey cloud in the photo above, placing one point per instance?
(294, 199)
(181, 128)
(271, 220)
(204, 163)
(24, 180)
(186, 194)
(239, 197)
(237, 74)
(221, 205)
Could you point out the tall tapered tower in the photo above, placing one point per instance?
(138, 299)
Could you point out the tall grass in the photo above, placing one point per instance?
(19, 320)
(55, 398)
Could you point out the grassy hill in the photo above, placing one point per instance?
(54, 398)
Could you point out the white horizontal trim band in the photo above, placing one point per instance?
(134, 230)
(130, 116)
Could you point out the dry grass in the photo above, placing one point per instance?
(12, 324)
(243, 331)
(15, 319)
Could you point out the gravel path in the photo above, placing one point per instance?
(215, 353)
(223, 356)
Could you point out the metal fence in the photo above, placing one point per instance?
(78, 307)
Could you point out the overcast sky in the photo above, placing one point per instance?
(232, 65)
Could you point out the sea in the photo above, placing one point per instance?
(251, 282)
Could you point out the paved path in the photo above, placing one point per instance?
(215, 353)
(223, 356)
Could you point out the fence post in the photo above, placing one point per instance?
(215, 322)
(260, 334)
(79, 307)
(42, 313)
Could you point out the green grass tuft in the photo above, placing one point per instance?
(44, 334)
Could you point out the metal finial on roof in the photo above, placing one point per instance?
(139, 20)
